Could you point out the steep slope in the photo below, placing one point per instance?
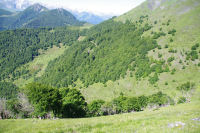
(113, 59)
(53, 18)
(182, 14)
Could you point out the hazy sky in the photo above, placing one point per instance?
(115, 7)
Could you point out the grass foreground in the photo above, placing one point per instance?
(165, 119)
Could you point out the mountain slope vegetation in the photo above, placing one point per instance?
(22, 46)
(143, 60)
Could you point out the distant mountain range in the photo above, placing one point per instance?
(38, 16)
(20, 5)
(90, 17)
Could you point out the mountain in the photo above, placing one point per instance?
(113, 58)
(38, 16)
(154, 47)
(55, 17)
(5, 12)
(90, 17)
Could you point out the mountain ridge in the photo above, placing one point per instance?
(39, 16)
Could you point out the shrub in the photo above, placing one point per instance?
(186, 86)
(182, 100)
(153, 79)
(158, 99)
(94, 108)
(194, 47)
(131, 104)
(170, 59)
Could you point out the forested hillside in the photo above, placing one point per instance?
(18, 47)
(109, 50)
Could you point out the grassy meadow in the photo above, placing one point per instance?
(155, 121)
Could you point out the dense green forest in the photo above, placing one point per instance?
(21, 46)
(109, 50)
(8, 90)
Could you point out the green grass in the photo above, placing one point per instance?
(131, 87)
(155, 121)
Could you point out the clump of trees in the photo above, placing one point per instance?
(64, 102)
(43, 101)
(123, 104)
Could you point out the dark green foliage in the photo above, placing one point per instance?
(172, 32)
(170, 59)
(153, 79)
(73, 103)
(193, 55)
(195, 46)
(172, 50)
(159, 47)
(159, 55)
(182, 100)
(64, 102)
(171, 40)
(186, 86)
(18, 47)
(44, 99)
(168, 22)
(14, 106)
(124, 104)
(173, 71)
(94, 108)
(159, 99)
(157, 35)
(108, 51)
(8, 90)
(166, 46)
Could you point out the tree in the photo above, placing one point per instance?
(94, 108)
(73, 103)
(44, 98)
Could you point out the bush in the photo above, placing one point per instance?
(170, 59)
(73, 103)
(186, 86)
(94, 108)
(194, 47)
(182, 100)
(158, 99)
